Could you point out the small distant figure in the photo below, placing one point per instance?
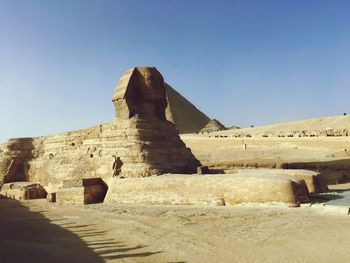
(117, 165)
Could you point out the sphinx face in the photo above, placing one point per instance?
(154, 85)
(141, 92)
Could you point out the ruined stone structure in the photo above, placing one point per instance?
(14, 158)
(313, 180)
(22, 191)
(84, 191)
(218, 189)
(140, 135)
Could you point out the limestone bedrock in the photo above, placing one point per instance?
(214, 189)
(22, 191)
(145, 141)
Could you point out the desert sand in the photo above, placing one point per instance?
(328, 155)
(110, 233)
(340, 122)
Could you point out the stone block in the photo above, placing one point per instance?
(214, 189)
(84, 191)
(23, 191)
(313, 180)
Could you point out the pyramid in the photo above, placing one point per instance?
(213, 126)
(186, 117)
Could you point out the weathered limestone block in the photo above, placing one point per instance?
(71, 196)
(14, 158)
(23, 191)
(85, 191)
(314, 181)
(218, 189)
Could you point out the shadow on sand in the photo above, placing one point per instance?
(27, 236)
(324, 197)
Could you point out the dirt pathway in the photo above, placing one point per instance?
(99, 233)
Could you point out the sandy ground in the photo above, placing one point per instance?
(330, 156)
(216, 150)
(37, 231)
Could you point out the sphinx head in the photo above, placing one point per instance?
(140, 91)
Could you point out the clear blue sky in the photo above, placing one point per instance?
(241, 62)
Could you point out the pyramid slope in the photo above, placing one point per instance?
(213, 126)
(186, 117)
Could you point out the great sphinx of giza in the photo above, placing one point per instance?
(139, 135)
(140, 98)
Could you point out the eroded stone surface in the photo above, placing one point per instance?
(23, 191)
(14, 158)
(84, 191)
(140, 91)
(313, 180)
(215, 189)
